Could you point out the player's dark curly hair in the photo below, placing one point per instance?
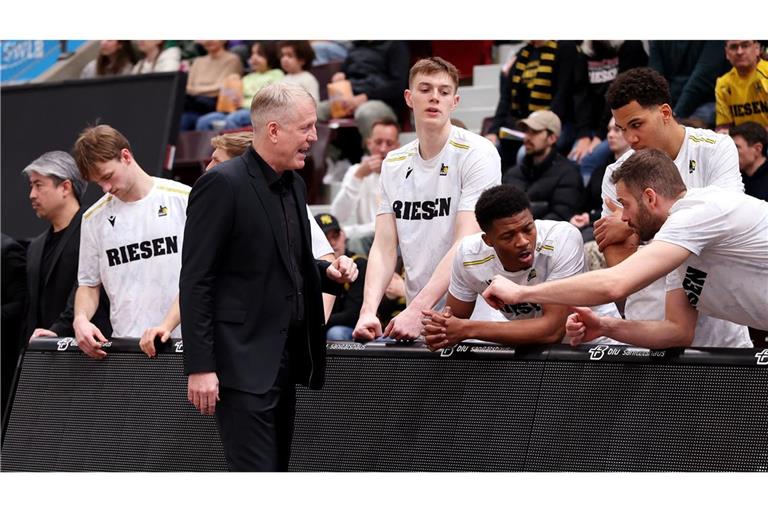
(500, 202)
(643, 85)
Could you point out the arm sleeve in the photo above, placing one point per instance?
(724, 166)
(482, 170)
(385, 206)
(675, 278)
(210, 217)
(460, 285)
(569, 259)
(694, 228)
(88, 261)
(62, 326)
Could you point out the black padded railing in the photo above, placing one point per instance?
(403, 408)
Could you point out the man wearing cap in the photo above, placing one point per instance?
(55, 191)
(346, 309)
(552, 182)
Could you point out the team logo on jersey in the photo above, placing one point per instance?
(162, 211)
(691, 166)
(693, 284)
(532, 274)
(443, 170)
(408, 172)
(111, 220)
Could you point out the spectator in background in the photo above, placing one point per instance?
(130, 243)
(230, 145)
(205, 78)
(265, 69)
(552, 182)
(605, 60)
(522, 249)
(640, 102)
(14, 300)
(429, 188)
(742, 93)
(549, 75)
(115, 58)
(296, 58)
(378, 72)
(691, 69)
(55, 191)
(593, 200)
(156, 59)
(356, 204)
(347, 307)
(751, 141)
(329, 51)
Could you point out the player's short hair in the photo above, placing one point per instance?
(433, 66)
(59, 166)
(753, 133)
(235, 144)
(500, 202)
(650, 168)
(98, 144)
(644, 85)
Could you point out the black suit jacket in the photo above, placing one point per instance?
(56, 304)
(235, 287)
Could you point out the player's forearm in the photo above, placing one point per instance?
(616, 253)
(589, 289)
(173, 317)
(381, 266)
(86, 302)
(653, 334)
(535, 330)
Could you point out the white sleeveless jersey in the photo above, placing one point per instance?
(134, 251)
(559, 254)
(705, 158)
(425, 197)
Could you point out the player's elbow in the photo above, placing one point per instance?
(614, 288)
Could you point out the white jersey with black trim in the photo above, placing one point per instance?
(727, 234)
(425, 197)
(706, 158)
(559, 254)
(134, 251)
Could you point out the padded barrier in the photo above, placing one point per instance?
(403, 408)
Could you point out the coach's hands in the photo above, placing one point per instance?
(203, 391)
(343, 270)
(89, 338)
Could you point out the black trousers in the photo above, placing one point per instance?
(257, 429)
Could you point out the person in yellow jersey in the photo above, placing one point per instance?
(742, 93)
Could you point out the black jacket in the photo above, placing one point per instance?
(555, 187)
(235, 288)
(54, 308)
(379, 69)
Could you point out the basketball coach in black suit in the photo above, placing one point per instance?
(250, 290)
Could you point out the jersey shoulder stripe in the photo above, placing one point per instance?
(458, 145)
(478, 262)
(96, 207)
(695, 138)
(173, 190)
